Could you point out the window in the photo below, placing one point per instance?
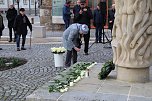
(1, 1)
(32, 2)
(25, 2)
(57, 7)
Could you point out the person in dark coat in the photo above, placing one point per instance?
(98, 20)
(67, 14)
(11, 15)
(20, 27)
(1, 26)
(76, 10)
(111, 17)
(84, 17)
(71, 41)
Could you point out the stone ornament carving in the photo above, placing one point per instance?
(132, 33)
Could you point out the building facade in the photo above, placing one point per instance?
(51, 12)
(27, 4)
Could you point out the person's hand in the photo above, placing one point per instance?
(77, 49)
(110, 21)
(80, 12)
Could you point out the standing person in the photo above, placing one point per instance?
(11, 15)
(98, 20)
(111, 17)
(67, 14)
(76, 10)
(20, 27)
(84, 17)
(1, 26)
(72, 41)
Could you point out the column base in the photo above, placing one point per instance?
(140, 75)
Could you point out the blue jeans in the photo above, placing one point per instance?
(18, 40)
(67, 23)
(98, 32)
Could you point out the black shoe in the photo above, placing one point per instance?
(0, 48)
(18, 49)
(14, 40)
(86, 53)
(10, 41)
(96, 41)
(23, 48)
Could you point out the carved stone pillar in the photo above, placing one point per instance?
(132, 39)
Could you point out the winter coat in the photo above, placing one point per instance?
(71, 37)
(11, 15)
(66, 12)
(76, 10)
(98, 17)
(21, 23)
(111, 17)
(85, 17)
(1, 25)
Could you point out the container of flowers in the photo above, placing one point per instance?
(58, 55)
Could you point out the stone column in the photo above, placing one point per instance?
(46, 16)
(132, 39)
(46, 13)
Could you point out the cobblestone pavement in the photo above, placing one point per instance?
(17, 83)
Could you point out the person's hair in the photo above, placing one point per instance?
(22, 9)
(68, 2)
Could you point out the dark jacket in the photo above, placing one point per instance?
(98, 17)
(85, 17)
(11, 15)
(66, 12)
(1, 25)
(21, 23)
(76, 10)
(111, 18)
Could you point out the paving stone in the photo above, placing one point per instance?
(81, 96)
(135, 98)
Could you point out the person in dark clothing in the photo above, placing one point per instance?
(84, 17)
(67, 14)
(111, 17)
(1, 26)
(76, 10)
(11, 15)
(98, 20)
(20, 27)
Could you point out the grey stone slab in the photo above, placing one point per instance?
(114, 87)
(85, 88)
(84, 96)
(90, 80)
(141, 89)
(137, 98)
(43, 95)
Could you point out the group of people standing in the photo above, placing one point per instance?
(17, 24)
(83, 17)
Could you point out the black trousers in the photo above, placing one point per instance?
(86, 41)
(71, 55)
(10, 33)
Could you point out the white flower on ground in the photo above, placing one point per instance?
(71, 84)
(62, 90)
(66, 89)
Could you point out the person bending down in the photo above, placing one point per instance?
(72, 41)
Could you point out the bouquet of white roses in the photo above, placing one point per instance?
(58, 50)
